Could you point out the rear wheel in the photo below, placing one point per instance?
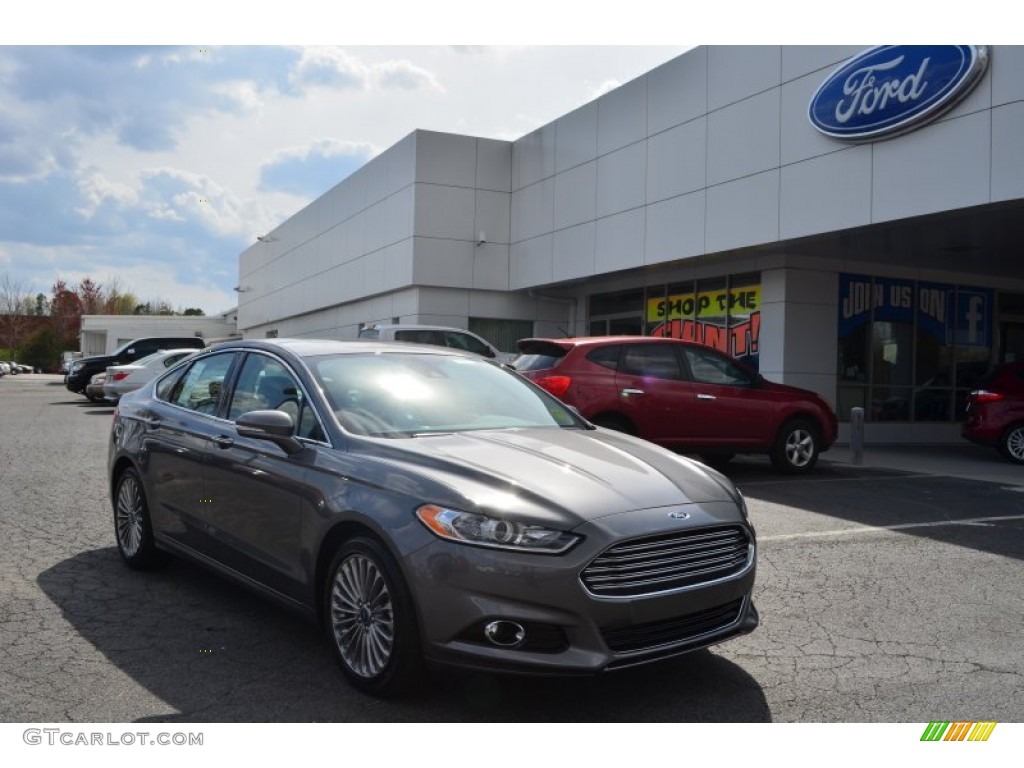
(370, 620)
(1011, 444)
(132, 528)
(796, 447)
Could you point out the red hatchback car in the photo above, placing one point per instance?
(995, 411)
(683, 396)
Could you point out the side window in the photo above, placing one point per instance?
(659, 361)
(201, 387)
(606, 357)
(708, 367)
(266, 384)
(166, 386)
(466, 342)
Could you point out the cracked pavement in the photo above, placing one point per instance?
(859, 623)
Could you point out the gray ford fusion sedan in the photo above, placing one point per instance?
(426, 505)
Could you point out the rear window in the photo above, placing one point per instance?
(369, 333)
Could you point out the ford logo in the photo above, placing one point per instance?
(893, 89)
(679, 515)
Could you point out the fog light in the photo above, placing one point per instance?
(507, 634)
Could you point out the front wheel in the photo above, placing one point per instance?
(796, 447)
(370, 620)
(1011, 444)
(132, 528)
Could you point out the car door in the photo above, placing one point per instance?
(179, 428)
(654, 394)
(730, 409)
(255, 488)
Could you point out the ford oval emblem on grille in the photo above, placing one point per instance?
(893, 89)
(679, 515)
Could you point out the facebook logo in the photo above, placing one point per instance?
(974, 317)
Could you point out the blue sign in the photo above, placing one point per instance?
(974, 317)
(893, 89)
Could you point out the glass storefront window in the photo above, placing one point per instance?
(914, 348)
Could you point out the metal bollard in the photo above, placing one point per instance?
(857, 436)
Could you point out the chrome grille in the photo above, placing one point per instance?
(667, 561)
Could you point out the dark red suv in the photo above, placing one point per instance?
(995, 411)
(683, 396)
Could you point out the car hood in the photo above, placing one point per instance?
(564, 475)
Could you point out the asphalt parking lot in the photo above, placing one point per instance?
(886, 595)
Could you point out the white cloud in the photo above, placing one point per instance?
(406, 76)
(330, 67)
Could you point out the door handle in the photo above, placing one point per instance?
(223, 441)
(628, 392)
(151, 423)
(705, 396)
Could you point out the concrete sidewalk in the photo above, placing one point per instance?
(972, 462)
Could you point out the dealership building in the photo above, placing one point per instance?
(845, 219)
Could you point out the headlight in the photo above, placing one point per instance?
(484, 531)
(76, 367)
(742, 502)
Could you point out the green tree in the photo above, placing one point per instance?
(41, 350)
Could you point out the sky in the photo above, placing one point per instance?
(152, 166)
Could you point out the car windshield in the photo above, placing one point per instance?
(396, 394)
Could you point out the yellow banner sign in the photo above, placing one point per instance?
(738, 302)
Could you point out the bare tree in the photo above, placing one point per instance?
(13, 319)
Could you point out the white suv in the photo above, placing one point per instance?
(438, 335)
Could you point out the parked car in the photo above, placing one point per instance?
(83, 369)
(22, 368)
(94, 390)
(683, 396)
(129, 377)
(5, 368)
(995, 411)
(13, 368)
(424, 504)
(438, 335)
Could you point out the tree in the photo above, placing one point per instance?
(90, 295)
(13, 318)
(42, 350)
(42, 305)
(193, 312)
(66, 313)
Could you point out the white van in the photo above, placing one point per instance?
(438, 335)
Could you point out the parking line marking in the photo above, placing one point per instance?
(876, 528)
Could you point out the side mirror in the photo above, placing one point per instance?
(275, 426)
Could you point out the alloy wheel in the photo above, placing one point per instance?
(129, 516)
(362, 619)
(799, 447)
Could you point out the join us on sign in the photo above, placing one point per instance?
(864, 296)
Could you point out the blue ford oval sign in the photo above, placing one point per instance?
(893, 89)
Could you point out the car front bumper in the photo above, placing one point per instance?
(568, 630)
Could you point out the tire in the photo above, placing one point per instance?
(796, 447)
(370, 620)
(613, 421)
(1011, 444)
(132, 527)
